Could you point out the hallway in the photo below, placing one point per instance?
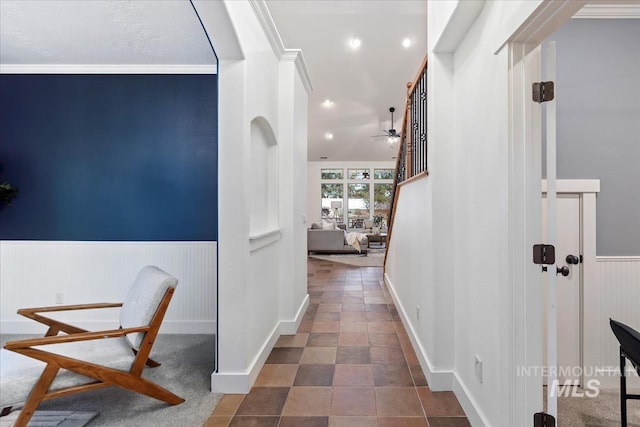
(350, 364)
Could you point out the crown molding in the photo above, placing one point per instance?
(609, 11)
(266, 22)
(296, 56)
(106, 69)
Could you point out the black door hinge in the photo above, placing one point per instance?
(543, 91)
(544, 254)
(541, 419)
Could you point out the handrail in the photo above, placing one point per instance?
(412, 152)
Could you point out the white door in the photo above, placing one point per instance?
(568, 250)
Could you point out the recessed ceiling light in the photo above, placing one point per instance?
(327, 103)
(406, 43)
(355, 43)
(328, 135)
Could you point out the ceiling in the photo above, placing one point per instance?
(150, 32)
(362, 83)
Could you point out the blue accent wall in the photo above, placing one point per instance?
(109, 157)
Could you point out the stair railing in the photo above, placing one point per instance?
(411, 161)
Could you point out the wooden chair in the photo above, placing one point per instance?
(80, 360)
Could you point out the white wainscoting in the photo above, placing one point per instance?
(44, 273)
(617, 297)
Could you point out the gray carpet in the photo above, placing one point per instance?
(187, 363)
(600, 411)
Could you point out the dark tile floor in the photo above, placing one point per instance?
(350, 364)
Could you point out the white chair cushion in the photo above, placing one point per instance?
(143, 300)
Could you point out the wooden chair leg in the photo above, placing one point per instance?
(37, 393)
(150, 362)
(151, 389)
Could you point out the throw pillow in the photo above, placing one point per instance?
(328, 225)
(316, 226)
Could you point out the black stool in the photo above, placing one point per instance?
(629, 340)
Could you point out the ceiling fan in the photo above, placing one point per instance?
(392, 135)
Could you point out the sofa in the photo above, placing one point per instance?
(332, 241)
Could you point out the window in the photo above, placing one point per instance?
(332, 201)
(359, 204)
(383, 173)
(332, 173)
(381, 202)
(358, 173)
(347, 193)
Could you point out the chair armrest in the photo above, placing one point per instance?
(83, 336)
(56, 326)
(25, 311)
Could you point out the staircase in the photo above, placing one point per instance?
(411, 161)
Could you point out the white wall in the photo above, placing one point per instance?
(293, 259)
(615, 295)
(261, 294)
(33, 273)
(481, 211)
(314, 200)
(460, 219)
(409, 274)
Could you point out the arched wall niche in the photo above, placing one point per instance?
(263, 177)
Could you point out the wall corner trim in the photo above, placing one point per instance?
(290, 327)
(296, 56)
(266, 22)
(108, 69)
(574, 186)
(609, 11)
(241, 382)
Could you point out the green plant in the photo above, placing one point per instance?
(7, 192)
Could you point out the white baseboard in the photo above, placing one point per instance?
(290, 327)
(168, 326)
(241, 382)
(439, 380)
(475, 417)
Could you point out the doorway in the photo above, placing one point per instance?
(569, 289)
(576, 236)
